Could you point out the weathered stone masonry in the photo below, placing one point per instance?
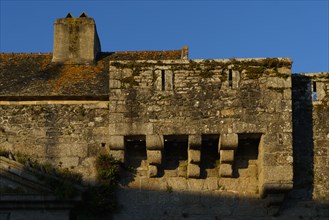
(66, 135)
(311, 129)
(178, 98)
(229, 138)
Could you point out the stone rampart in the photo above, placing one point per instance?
(199, 103)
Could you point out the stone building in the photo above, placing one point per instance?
(209, 139)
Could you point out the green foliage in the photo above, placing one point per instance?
(101, 198)
(63, 188)
(97, 200)
(107, 169)
(67, 175)
(169, 189)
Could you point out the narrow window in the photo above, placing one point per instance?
(230, 77)
(173, 81)
(314, 91)
(163, 80)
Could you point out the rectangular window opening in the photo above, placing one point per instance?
(314, 91)
(230, 77)
(135, 150)
(163, 80)
(175, 151)
(246, 156)
(209, 155)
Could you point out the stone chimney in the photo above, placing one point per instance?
(75, 40)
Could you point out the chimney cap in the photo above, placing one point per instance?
(69, 15)
(83, 15)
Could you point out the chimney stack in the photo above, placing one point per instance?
(75, 40)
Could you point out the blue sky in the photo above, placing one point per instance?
(211, 29)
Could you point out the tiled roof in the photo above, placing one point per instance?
(32, 75)
(29, 76)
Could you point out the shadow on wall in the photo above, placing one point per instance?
(303, 147)
(172, 204)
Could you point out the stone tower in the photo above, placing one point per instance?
(75, 40)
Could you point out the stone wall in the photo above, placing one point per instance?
(321, 136)
(65, 133)
(311, 135)
(193, 104)
(207, 138)
(37, 213)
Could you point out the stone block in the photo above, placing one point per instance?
(118, 155)
(274, 199)
(116, 142)
(211, 183)
(273, 210)
(115, 84)
(320, 90)
(227, 156)
(154, 142)
(182, 169)
(195, 184)
(276, 82)
(68, 161)
(287, 94)
(227, 113)
(152, 171)
(151, 184)
(194, 141)
(116, 117)
(131, 128)
(154, 156)
(225, 170)
(176, 184)
(117, 94)
(228, 141)
(278, 174)
(194, 156)
(193, 171)
(284, 70)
